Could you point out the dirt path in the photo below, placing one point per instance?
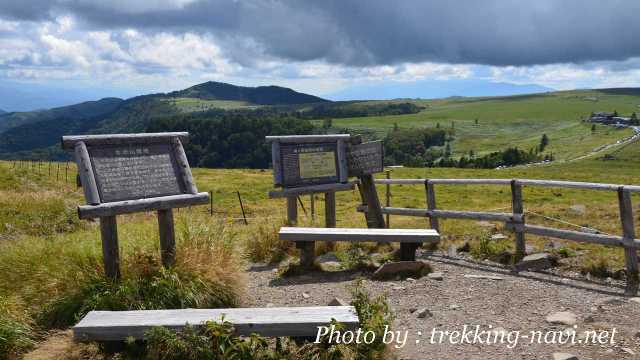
(513, 302)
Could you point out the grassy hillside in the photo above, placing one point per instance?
(514, 120)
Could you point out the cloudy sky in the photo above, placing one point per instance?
(327, 47)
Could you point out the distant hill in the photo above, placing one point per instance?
(31, 130)
(2, 112)
(261, 95)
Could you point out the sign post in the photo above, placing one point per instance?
(127, 173)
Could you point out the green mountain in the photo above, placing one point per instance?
(261, 95)
(27, 133)
(2, 112)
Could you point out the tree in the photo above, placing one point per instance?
(634, 119)
(327, 123)
(593, 128)
(544, 141)
(437, 125)
(476, 121)
(453, 125)
(615, 113)
(447, 151)
(472, 154)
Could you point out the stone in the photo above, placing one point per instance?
(403, 269)
(498, 237)
(562, 317)
(452, 251)
(489, 277)
(270, 305)
(327, 258)
(578, 209)
(409, 279)
(330, 266)
(564, 356)
(486, 224)
(536, 262)
(635, 300)
(338, 302)
(423, 313)
(306, 295)
(628, 351)
(436, 276)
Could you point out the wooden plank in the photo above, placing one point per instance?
(110, 250)
(85, 173)
(310, 190)
(275, 162)
(517, 207)
(628, 236)
(167, 237)
(343, 171)
(131, 206)
(68, 142)
(387, 203)
(431, 204)
(358, 234)
(301, 139)
(292, 210)
(270, 322)
(610, 240)
(451, 214)
(183, 165)
(445, 181)
(568, 184)
(330, 209)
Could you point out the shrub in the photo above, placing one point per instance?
(150, 287)
(263, 244)
(493, 250)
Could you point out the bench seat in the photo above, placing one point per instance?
(268, 322)
(358, 234)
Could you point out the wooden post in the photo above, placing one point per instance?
(330, 214)
(312, 199)
(110, 252)
(628, 236)
(388, 202)
(430, 192)
(370, 198)
(302, 205)
(167, 237)
(85, 172)
(58, 172)
(518, 208)
(244, 216)
(292, 210)
(183, 164)
(66, 172)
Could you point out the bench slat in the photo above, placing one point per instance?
(358, 234)
(270, 322)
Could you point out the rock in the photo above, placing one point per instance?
(423, 313)
(529, 249)
(486, 224)
(452, 251)
(412, 310)
(498, 237)
(562, 317)
(409, 279)
(564, 356)
(270, 305)
(328, 257)
(403, 269)
(436, 276)
(330, 266)
(589, 319)
(454, 307)
(398, 288)
(306, 295)
(338, 302)
(614, 301)
(578, 209)
(536, 262)
(489, 277)
(635, 300)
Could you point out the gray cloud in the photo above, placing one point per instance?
(374, 32)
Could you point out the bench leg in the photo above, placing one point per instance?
(408, 251)
(307, 253)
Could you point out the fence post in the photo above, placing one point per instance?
(330, 214)
(628, 236)
(210, 202)
(388, 198)
(244, 216)
(292, 210)
(431, 204)
(312, 200)
(518, 208)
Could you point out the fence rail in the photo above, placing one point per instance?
(515, 221)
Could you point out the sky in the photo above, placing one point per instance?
(333, 48)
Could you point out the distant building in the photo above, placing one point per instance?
(608, 118)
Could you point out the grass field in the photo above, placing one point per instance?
(514, 120)
(188, 105)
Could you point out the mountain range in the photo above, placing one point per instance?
(26, 131)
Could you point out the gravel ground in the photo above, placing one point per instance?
(512, 302)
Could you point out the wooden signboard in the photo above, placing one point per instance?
(309, 164)
(126, 173)
(365, 158)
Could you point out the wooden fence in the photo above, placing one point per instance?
(515, 220)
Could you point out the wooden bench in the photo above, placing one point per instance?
(110, 326)
(306, 237)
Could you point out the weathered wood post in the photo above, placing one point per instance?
(430, 193)
(388, 196)
(330, 213)
(312, 201)
(628, 236)
(292, 210)
(518, 209)
(110, 250)
(167, 237)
